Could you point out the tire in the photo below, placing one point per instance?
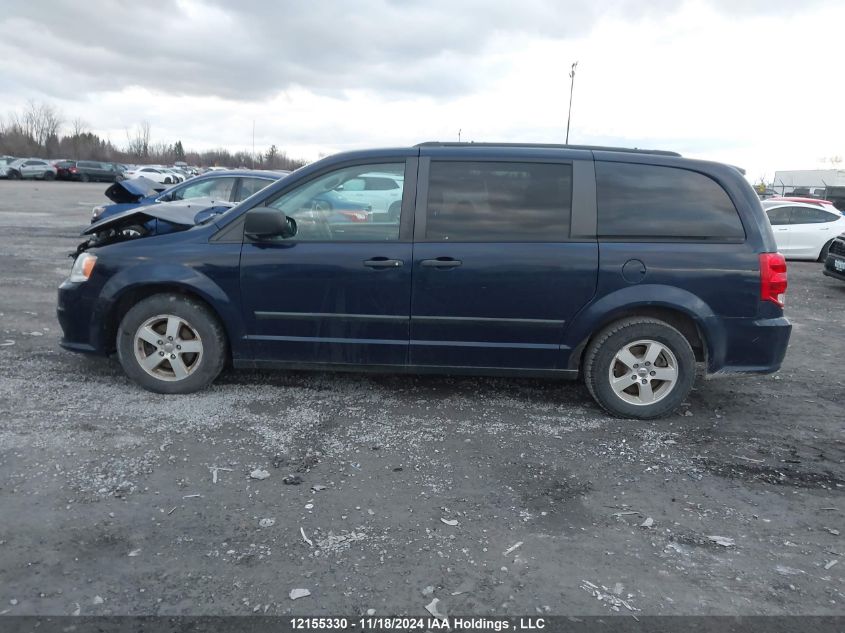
(14, 175)
(168, 181)
(49, 175)
(394, 211)
(635, 339)
(191, 324)
(823, 253)
(84, 178)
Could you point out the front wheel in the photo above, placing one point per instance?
(14, 175)
(171, 344)
(639, 368)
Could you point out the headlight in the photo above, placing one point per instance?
(82, 267)
(96, 211)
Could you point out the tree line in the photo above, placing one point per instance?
(40, 130)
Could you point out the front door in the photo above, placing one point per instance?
(497, 276)
(338, 292)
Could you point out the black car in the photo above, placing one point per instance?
(88, 171)
(834, 264)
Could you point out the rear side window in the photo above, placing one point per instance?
(650, 201)
(806, 215)
(250, 186)
(498, 202)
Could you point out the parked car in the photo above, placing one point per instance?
(834, 264)
(623, 267)
(88, 170)
(824, 204)
(157, 174)
(232, 186)
(30, 168)
(382, 192)
(5, 161)
(802, 230)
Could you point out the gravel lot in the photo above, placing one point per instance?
(108, 500)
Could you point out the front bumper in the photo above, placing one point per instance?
(75, 310)
(830, 266)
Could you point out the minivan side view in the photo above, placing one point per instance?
(626, 268)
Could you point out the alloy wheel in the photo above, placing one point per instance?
(167, 347)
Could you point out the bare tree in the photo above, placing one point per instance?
(138, 141)
(41, 121)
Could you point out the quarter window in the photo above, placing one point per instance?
(650, 201)
(498, 202)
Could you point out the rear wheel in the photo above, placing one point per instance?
(394, 211)
(84, 177)
(639, 368)
(171, 344)
(49, 175)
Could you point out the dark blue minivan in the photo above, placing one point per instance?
(624, 267)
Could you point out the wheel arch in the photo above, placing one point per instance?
(128, 288)
(678, 308)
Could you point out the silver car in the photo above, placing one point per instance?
(35, 168)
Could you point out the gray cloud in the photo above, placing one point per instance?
(253, 48)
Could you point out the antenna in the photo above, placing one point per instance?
(571, 90)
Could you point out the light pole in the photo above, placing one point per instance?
(571, 89)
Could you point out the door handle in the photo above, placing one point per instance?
(441, 262)
(383, 262)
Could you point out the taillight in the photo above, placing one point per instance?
(772, 278)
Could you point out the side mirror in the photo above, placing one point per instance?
(264, 223)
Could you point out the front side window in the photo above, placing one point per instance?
(778, 216)
(651, 201)
(322, 213)
(217, 188)
(498, 202)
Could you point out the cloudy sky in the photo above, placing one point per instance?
(757, 83)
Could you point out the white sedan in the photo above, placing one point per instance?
(156, 174)
(803, 230)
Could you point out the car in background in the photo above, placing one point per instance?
(834, 263)
(802, 230)
(232, 186)
(156, 174)
(30, 168)
(824, 204)
(178, 176)
(4, 164)
(381, 191)
(88, 171)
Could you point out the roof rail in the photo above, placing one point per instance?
(629, 150)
